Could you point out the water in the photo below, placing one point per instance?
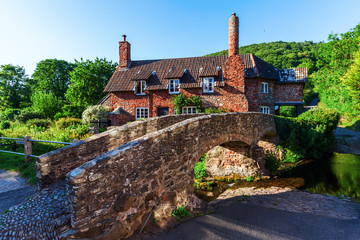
(338, 175)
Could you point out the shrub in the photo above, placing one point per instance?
(96, 112)
(4, 125)
(199, 169)
(44, 123)
(46, 103)
(216, 110)
(288, 111)
(181, 100)
(320, 116)
(27, 114)
(249, 178)
(272, 163)
(72, 111)
(63, 123)
(9, 114)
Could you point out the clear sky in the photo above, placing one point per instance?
(34, 30)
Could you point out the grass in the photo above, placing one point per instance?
(17, 163)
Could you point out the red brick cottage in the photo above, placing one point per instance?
(239, 83)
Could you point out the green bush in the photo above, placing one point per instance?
(9, 114)
(272, 163)
(46, 103)
(215, 110)
(181, 100)
(290, 156)
(28, 114)
(199, 168)
(288, 111)
(72, 111)
(4, 125)
(44, 123)
(96, 112)
(249, 179)
(308, 136)
(63, 123)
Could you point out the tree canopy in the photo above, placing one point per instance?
(53, 76)
(14, 87)
(88, 81)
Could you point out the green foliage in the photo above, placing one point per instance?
(290, 156)
(181, 100)
(272, 162)
(36, 122)
(216, 110)
(46, 103)
(351, 80)
(180, 211)
(308, 136)
(64, 123)
(73, 111)
(17, 163)
(199, 168)
(334, 61)
(14, 87)
(4, 125)
(288, 111)
(52, 76)
(9, 114)
(27, 114)
(88, 81)
(283, 54)
(249, 179)
(96, 112)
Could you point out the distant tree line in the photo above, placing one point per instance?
(57, 88)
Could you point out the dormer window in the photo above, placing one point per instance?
(264, 87)
(174, 86)
(208, 85)
(140, 87)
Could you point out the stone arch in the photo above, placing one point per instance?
(116, 191)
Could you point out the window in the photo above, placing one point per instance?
(140, 87)
(141, 112)
(208, 85)
(265, 109)
(174, 86)
(264, 87)
(188, 110)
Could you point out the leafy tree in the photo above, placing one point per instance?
(52, 75)
(88, 81)
(46, 103)
(14, 88)
(352, 80)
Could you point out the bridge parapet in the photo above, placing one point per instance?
(112, 194)
(54, 165)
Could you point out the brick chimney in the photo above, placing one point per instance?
(124, 53)
(233, 35)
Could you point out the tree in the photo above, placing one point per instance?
(52, 75)
(14, 87)
(46, 103)
(88, 81)
(352, 79)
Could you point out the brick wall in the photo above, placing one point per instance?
(256, 97)
(288, 92)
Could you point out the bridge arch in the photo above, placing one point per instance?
(113, 193)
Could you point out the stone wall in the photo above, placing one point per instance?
(54, 165)
(289, 92)
(112, 195)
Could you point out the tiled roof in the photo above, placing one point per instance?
(293, 75)
(188, 70)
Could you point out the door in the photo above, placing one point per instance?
(162, 111)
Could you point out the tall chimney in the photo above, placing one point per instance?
(124, 53)
(233, 35)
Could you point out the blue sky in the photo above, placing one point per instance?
(34, 30)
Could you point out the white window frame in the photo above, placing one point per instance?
(264, 87)
(208, 85)
(142, 88)
(265, 109)
(189, 110)
(141, 112)
(173, 85)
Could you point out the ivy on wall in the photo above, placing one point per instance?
(179, 101)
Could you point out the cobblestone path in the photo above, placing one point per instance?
(42, 216)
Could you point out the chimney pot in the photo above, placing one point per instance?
(124, 37)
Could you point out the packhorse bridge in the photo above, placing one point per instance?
(117, 178)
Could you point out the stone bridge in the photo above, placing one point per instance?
(124, 174)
